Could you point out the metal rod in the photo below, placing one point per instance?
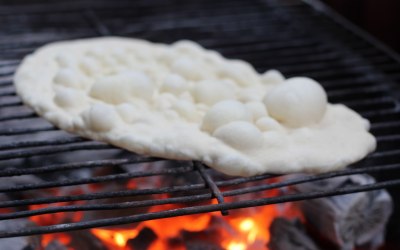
(126, 193)
(113, 177)
(235, 192)
(90, 145)
(26, 115)
(193, 210)
(211, 184)
(21, 131)
(77, 165)
(58, 141)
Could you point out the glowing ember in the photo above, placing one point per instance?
(115, 238)
(236, 246)
(60, 237)
(244, 229)
(246, 225)
(238, 233)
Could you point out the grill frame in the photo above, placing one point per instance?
(388, 107)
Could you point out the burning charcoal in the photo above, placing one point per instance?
(117, 186)
(183, 179)
(85, 240)
(199, 245)
(348, 220)
(143, 240)
(19, 243)
(211, 235)
(131, 184)
(208, 238)
(148, 181)
(286, 234)
(102, 214)
(55, 245)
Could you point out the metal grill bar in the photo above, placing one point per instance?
(211, 184)
(7, 93)
(71, 166)
(11, 104)
(127, 193)
(23, 144)
(124, 205)
(19, 131)
(52, 150)
(113, 177)
(352, 71)
(26, 115)
(195, 210)
(241, 191)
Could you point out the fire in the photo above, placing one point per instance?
(61, 237)
(57, 218)
(246, 225)
(115, 238)
(243, 232)
(244, 229)
(251, 231)
(165, 229)
(236, 246)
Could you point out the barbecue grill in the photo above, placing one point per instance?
(295, 37)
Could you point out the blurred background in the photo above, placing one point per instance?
(381, 18)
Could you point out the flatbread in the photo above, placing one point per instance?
(184, 102)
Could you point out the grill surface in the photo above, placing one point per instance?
(291, 36)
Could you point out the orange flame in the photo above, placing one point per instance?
(115, 238)
(244, 229)
(233, 245)
(250, 228)
(61, 237)
(247, 230)
(57, 218)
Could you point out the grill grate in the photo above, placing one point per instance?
(291, 36)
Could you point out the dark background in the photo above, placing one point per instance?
(381, 18)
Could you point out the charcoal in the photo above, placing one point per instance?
(210, 235)
(143, 240)
(289, 234)
(170, 180)
(85, 240)
(200, 245)
(185, 179)
(347, 221)
(55, 245)
(102, 214)
(209, 238)
(139, 183)
(19, 243)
